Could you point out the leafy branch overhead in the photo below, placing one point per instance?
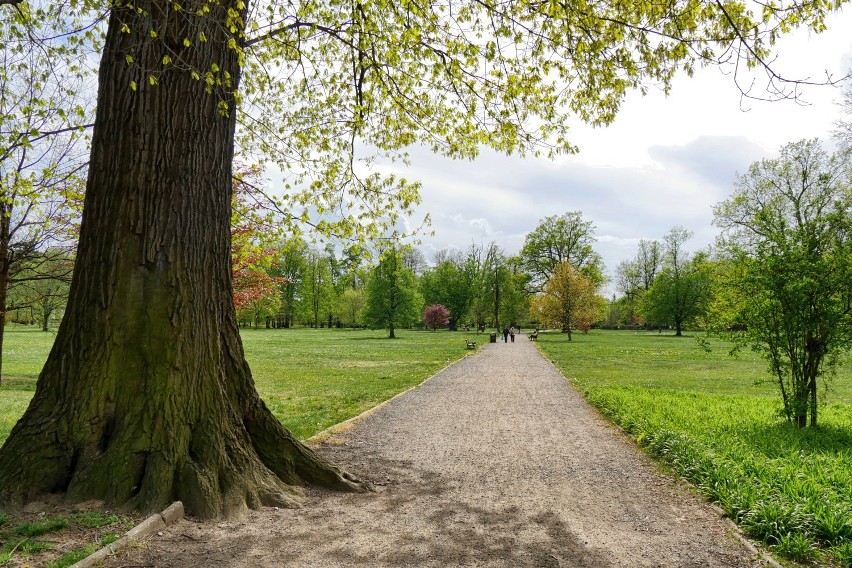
(327, 88)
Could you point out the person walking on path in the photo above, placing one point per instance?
(495, 461)
(505, 334)
(512, 333)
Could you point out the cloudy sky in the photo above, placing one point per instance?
(664, 162)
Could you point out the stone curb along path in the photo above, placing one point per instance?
(146, 528)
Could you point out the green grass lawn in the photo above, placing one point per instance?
(712, 418)
(310, 378)
(314, 378)
(715, 420)
(25, 350)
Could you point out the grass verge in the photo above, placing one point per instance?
(714, 420)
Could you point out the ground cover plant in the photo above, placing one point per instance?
(58, 538)
(710, 418)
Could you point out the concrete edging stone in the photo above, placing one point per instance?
(146, 528)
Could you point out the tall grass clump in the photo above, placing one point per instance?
(713, 420)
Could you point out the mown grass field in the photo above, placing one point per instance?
(711, 417)
(311, 379)
(714, 420)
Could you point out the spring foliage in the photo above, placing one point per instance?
(788, 236)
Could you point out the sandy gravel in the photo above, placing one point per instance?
(495, 461)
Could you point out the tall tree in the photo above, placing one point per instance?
(290, 266)
(515, 300)
(254, 233)
(317, 287)
(450, 283)
(843, 130)
(634, 277)
(392, 296)
(788, 234)
(682, 290)
(557, 239)
(148, 356)
(138, 423)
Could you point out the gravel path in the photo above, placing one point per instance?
(495, 461)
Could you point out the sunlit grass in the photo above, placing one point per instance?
(715, 420)
(25, 350)
(310, 378)
(313, 378)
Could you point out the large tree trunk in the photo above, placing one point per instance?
(146, 396)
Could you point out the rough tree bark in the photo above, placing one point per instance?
(146, 396)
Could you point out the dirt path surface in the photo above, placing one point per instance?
(495, 461)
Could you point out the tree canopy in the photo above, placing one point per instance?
(561, 238)
(681, 291)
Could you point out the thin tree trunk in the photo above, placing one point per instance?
(146, 396)
(5, 220)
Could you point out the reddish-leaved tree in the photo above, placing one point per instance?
(436, 316)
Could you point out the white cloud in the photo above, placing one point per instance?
(664, 162)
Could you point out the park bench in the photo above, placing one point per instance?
(534, 336)
(471, 344)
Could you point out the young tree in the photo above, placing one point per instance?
(569, 299)
(392, 296)
(176, 416)
(557, 239)
(351, 305)
(436, 316)
(788, 237)
(681, 291)
(317, 288)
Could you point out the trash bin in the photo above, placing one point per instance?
(493, 337)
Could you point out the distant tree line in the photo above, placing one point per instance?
(777, 281)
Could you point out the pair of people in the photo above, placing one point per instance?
(508, 332)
